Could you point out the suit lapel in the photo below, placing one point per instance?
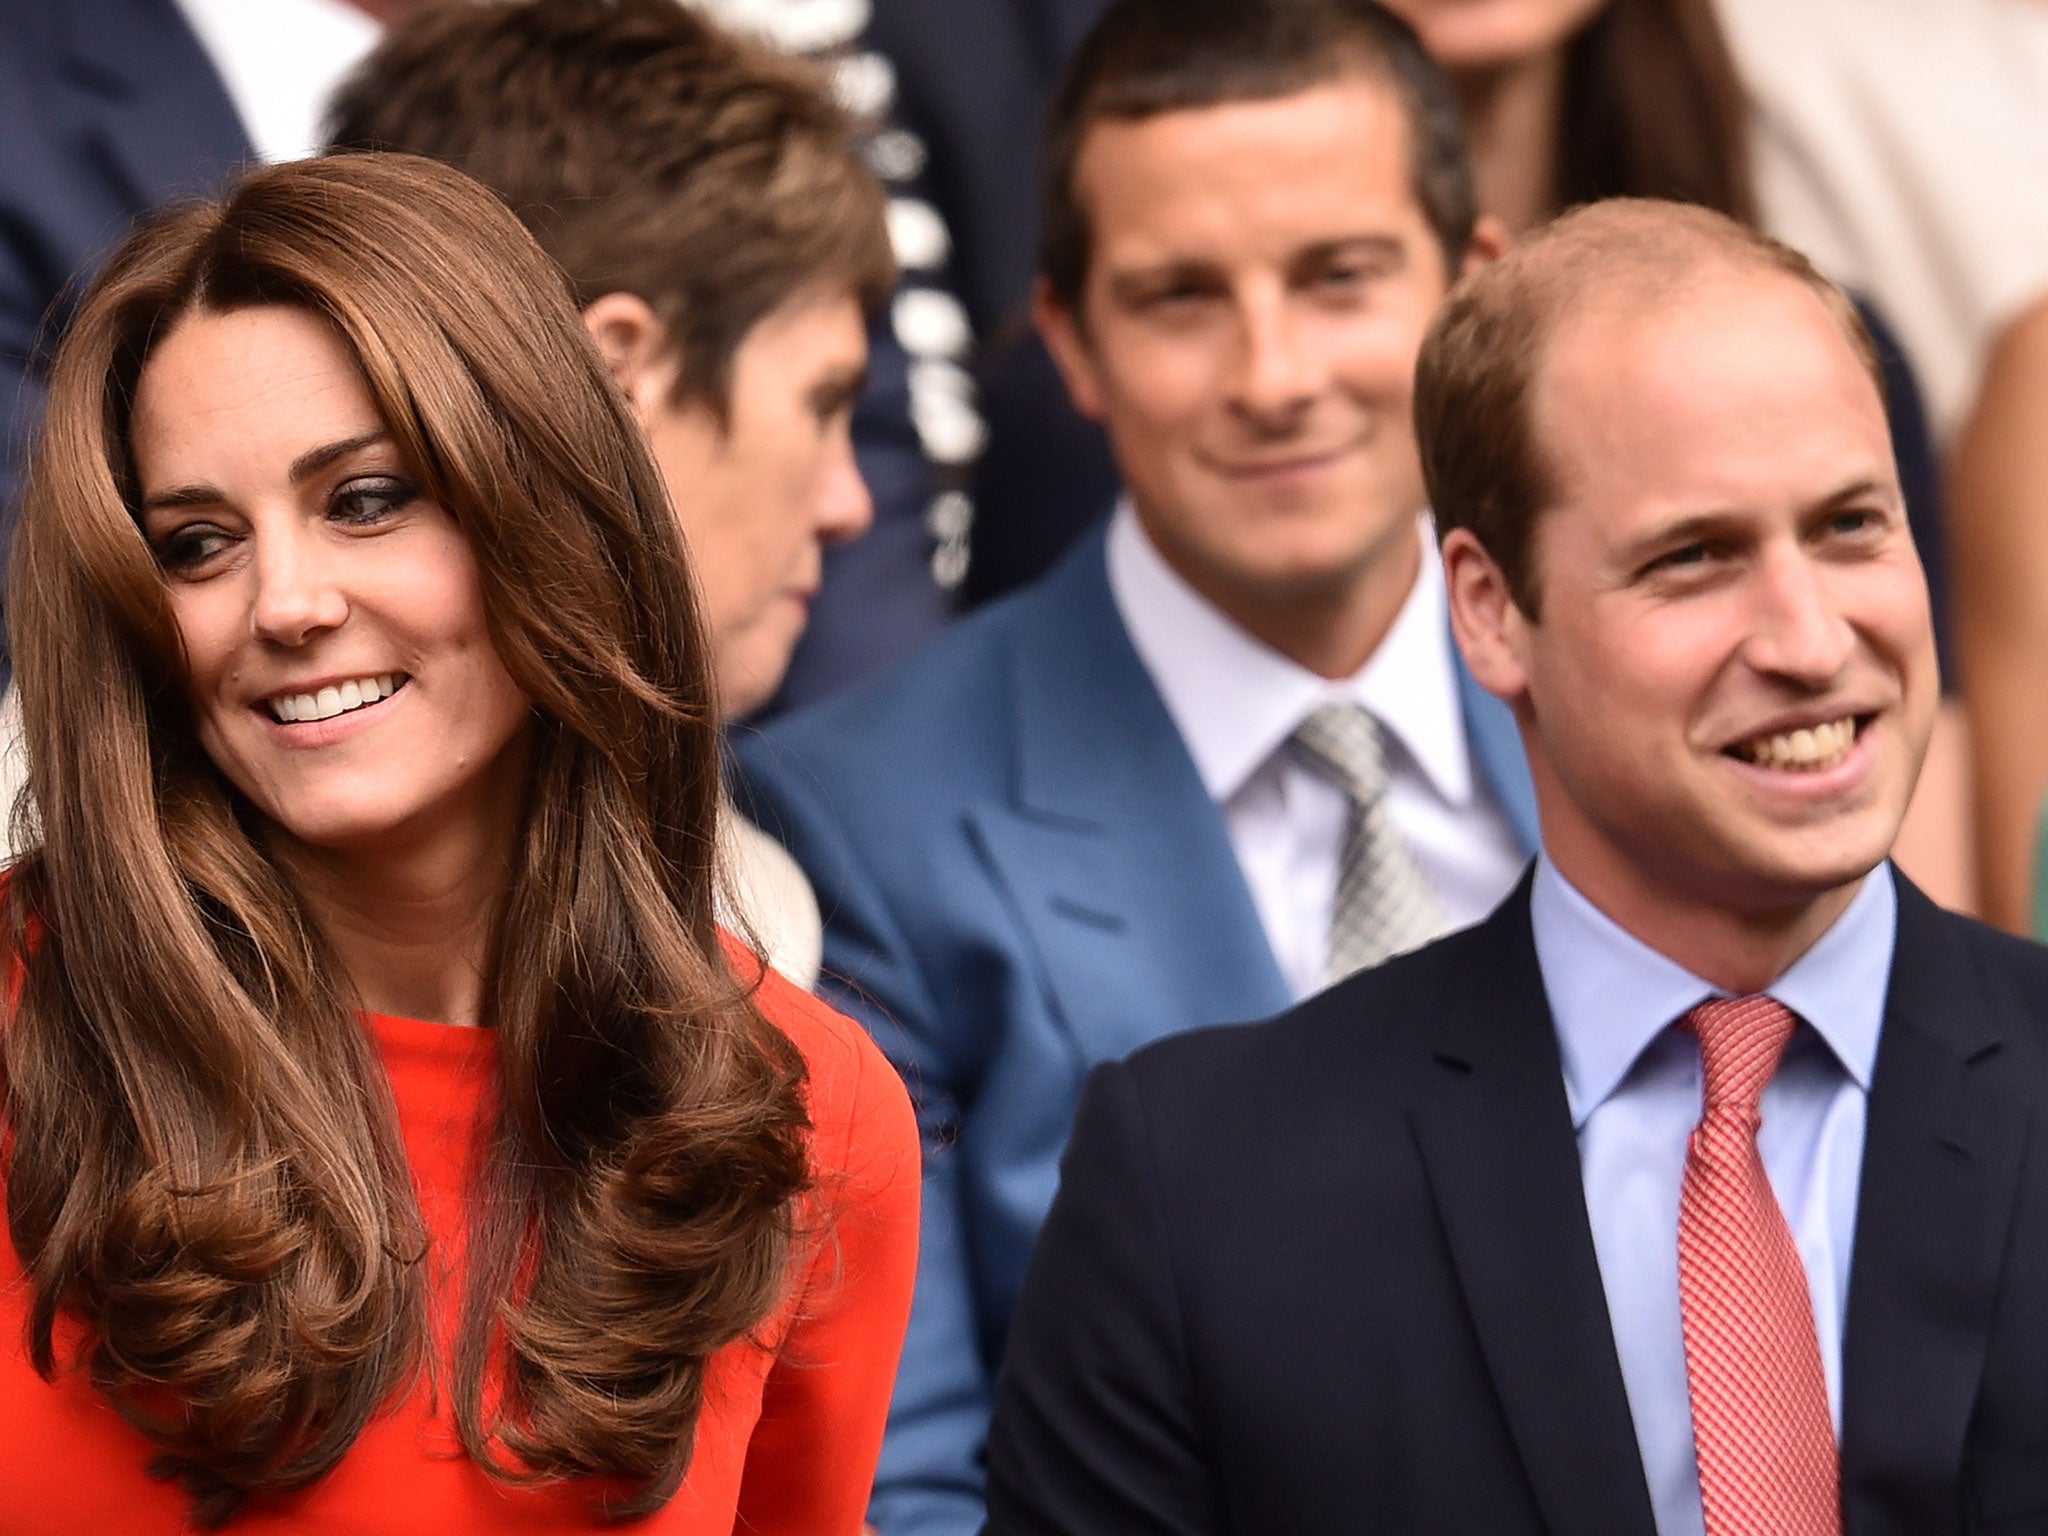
(1502, 1163)
(1116, 859)
(1941, 1161)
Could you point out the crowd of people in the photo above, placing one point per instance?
(1351, 901)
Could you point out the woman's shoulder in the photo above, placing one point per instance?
(857, 1102)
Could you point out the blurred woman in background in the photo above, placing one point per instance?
(392, 1138)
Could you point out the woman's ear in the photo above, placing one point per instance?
(634, 345)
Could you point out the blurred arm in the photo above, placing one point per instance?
(1999, 511)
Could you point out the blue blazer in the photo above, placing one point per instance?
(1022, 876)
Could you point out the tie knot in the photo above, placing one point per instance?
(1342, 743)
(1741, 1039)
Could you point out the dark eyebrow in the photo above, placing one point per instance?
(305, 466)
(1380, 247)
(311, 462)
(1709, 525)
(1861, 490)
(1688, 530)
(841, 387)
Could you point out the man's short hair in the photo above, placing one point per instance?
(1478, 376)
(1145, 57)
(649, 152)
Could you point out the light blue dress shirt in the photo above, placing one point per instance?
(1633, 1084)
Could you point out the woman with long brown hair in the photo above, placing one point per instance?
(366, 699)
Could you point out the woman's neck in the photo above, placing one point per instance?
(1513, 126)
(410, 921)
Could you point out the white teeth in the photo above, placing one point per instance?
(1821, 746)
(335, 699)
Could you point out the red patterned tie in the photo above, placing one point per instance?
(1768, 1465)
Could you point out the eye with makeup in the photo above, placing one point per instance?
(186, 549)
(369, 500)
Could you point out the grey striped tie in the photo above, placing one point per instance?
(1384, 906)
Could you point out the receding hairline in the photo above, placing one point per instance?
(1623, 256)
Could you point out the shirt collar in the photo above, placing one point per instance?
(1236, 700)
(1611, 994)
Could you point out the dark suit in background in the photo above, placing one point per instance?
(1335, 1272)
(108, 108)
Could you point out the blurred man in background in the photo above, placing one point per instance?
(1225, 752)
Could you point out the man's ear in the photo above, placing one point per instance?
(1490, 242)
(1061, 331)
(1491, 629)
(634, 345)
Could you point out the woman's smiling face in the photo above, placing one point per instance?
(340, 669)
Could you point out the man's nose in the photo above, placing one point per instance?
(1799, 632)
(1281, 367)
(297, 594)
(846, 508)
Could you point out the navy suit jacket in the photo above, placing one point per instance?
(1022, 876)
(108, 108)
(1335, 1273)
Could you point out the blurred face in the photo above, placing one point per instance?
(1259, 281)
(340, 671)
(761, 496)
(1479, 35)
(1733, 679)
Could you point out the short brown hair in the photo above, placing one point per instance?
(647, 150)
(1476, 378)
(1145, 57)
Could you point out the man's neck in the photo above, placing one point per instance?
(1330, 628)
(1738, 945)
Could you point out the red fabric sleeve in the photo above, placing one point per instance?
(811, 1462)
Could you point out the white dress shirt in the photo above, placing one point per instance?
(1633, 1084)
(280, 61)
(1236, 701)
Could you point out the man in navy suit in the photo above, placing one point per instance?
(1700, 1189)
(1108, 809)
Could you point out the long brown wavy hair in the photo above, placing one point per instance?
(1654, 107)
(206, 1171)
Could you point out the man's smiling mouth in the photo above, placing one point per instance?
(1807, 750)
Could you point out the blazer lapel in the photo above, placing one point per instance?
(1941, 1162)
(1502, 1163)
(1116, 859)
